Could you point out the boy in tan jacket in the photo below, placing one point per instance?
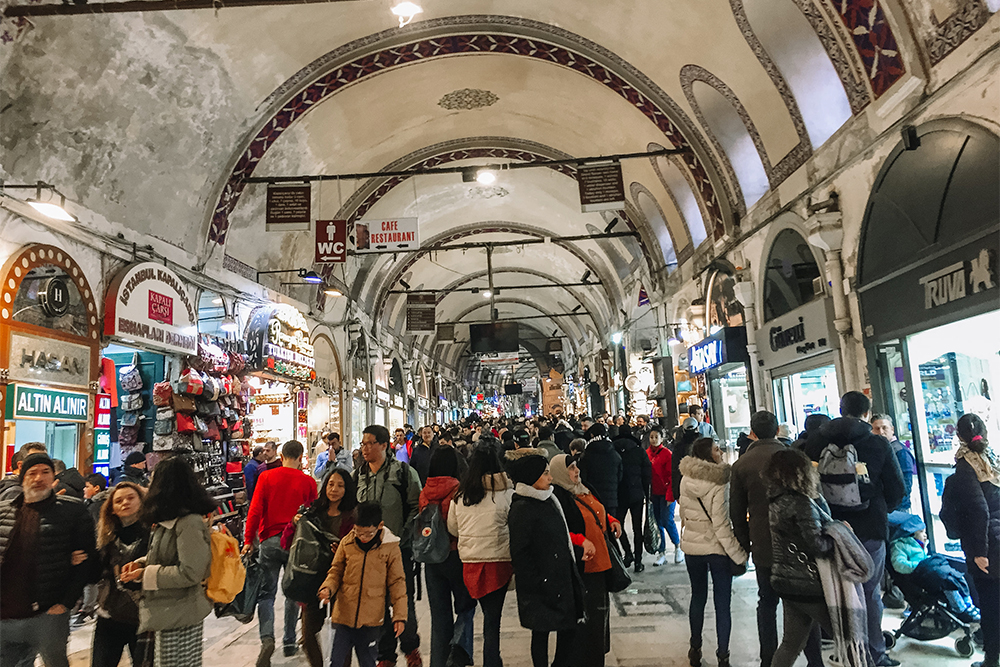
(368, 563)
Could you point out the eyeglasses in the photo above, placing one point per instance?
(371, 444)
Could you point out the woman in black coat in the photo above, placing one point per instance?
(633, 491)
(601, 467)
(549, 585)
(970, 509)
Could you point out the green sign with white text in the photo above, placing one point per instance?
(47, 404)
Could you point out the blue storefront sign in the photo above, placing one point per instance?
(726, 346)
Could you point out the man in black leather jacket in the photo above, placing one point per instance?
(41, 537)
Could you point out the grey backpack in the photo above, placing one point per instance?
(431, 543)
(839, 479)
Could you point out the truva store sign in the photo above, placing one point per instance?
(148, 302)
(949, 284)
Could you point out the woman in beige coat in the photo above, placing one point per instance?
(708, 543)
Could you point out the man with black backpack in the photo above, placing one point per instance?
(396, 487)
(861, 480)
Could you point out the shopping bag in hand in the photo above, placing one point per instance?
(653, 539)
(243, 606)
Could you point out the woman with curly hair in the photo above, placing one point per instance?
(121, 539)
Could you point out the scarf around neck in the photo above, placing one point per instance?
(529, 491)
(986, 465)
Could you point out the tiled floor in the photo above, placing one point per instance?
(648, 629)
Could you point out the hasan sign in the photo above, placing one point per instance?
(147, 302)
(49, 361)
(47, 404)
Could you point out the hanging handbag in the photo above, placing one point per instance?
(208, 408)
(237, 386)
(128, 436)
(213, 388)
(163, 427)
(185, 423)
(652, 536)
(129, 376)
(617, 578)
(213, 432)
(162, 393)
(129, 418)
(130, 403)
(163, 414)
(184, 404)
(737, 569)
(200, 426)
(191, 383)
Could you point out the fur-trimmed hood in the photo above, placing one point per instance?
(695, 468)
(516, 454)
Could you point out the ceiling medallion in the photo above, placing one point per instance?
(468, 98)
(487, 193)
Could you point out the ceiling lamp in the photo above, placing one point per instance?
(332, 291)
(405, 11)
(229, 325)
(50, 210)
(616, 337)
(486, 177)
(487, 294)
(310, 277)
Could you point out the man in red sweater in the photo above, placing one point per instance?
(277, 497)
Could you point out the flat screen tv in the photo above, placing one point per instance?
(493, 337)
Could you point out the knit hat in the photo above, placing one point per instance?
(444, 463)
(135, 457)
(597, 430)
(525, 466)
(690, 423)
(36, 459)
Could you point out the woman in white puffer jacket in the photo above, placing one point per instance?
(478, 517)
(708, 543)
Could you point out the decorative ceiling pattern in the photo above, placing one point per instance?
(468, 98)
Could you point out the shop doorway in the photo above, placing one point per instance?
(800, 393)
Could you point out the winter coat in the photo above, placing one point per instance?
(179, 559)
(95, 504)
(441, 491)
(358, 581)
(748, 495)
(661, 464)
(562, 440)
(680, 449)
(797, 540)
(482, 528)
(601, 470)
(396, 487)
(908, 467)
(550, 448)
(637, 472)
(906, 553)
(71, 483)
(10, 487)
(117, 601)
(583, 524)
(138, 475)
(886, 488)
(64, 527)
(978, 514)
(712, 532)
(549, 585)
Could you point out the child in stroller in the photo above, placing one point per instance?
(936, 592)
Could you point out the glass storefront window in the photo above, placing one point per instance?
(957, 370)
(730, 396)
(60, 438)
(799, 395)
(359, 421)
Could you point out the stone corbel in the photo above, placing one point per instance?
(827, 234)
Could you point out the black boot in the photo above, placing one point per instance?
(723, 658)
(694, 656)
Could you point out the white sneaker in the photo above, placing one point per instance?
(660, 560)
(678, 555)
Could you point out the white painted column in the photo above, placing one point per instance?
(745, 295)
(827, 234)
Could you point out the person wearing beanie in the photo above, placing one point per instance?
(550, 594)
(39, 585)
(601, 467)
(451, 634)
(134, 469)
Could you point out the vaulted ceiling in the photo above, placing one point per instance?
(153, 121)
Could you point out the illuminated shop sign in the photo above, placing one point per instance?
(728, 345)
(149, 303)
(705, 356)
(277, 341)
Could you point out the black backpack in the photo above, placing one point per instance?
(309, 560)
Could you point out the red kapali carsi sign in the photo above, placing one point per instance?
(140, 305)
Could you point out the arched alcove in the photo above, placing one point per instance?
(789, 272)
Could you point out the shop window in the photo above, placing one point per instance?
(48, 297)
(790, 271)
(798, 395)
(211, 314)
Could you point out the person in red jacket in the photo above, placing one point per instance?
(663, 496)
(277, 497)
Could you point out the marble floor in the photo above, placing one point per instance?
(648, 629)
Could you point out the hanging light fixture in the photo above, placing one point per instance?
(486, 177)
(405, 11)
(49, 209)
(310, 277)
(329, 290)
(229, 325)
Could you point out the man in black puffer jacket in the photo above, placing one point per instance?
(633, 491)
(40, 534)
(601, 467)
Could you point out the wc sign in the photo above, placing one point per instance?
(331, 241)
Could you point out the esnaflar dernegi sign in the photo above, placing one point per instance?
(149, 303)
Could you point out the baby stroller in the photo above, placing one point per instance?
(930, 617)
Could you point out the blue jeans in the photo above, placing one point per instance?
(23, 638)
(698, 568)
(272, 559)
(444, 583)
(664, 513)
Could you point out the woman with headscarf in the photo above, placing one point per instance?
(586, 516)
(970, 509)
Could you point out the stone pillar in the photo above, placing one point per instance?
(745, 295)
(827, 234)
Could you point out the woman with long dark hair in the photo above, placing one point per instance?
(970, 508)
(121, 539)
(174, 604)
(478, 517)
(331, 513)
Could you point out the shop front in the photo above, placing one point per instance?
(49, 349)
(798, 355)
(359, 411)
(282, 367)
(382, 398)
(150, 327)
(934, 355)
(719, 368)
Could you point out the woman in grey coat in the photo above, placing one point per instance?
(174, 604)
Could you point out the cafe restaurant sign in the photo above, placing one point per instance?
(47, 404)
(149, 303)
